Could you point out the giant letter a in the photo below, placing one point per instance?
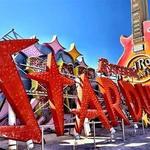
(89, 106)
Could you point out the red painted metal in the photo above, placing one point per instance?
(11, 85)
(89, 106)
(112, 99)
(132, 100)
(55, 83)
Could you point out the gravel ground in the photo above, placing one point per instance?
(134, 141)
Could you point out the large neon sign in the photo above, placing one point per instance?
(141, 63)
(89, 106)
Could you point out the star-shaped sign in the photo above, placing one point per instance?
(11, 85)
(55, 83)
(74, 52)
(145, 119)
(55, 44)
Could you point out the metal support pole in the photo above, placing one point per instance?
(12, 144)
(42, 138)
(143, 128)
(94, 135)
(75, 143)
(123, 130)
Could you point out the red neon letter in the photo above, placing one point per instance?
(12, 86)
(113, 100)
(89, 105)
(147, 89)
(143, 94)
(132, 100)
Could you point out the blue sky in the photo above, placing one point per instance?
(95, 26)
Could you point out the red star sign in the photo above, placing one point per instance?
(55, 83)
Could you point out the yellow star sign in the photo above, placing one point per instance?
(145, 119)
(74, 52)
